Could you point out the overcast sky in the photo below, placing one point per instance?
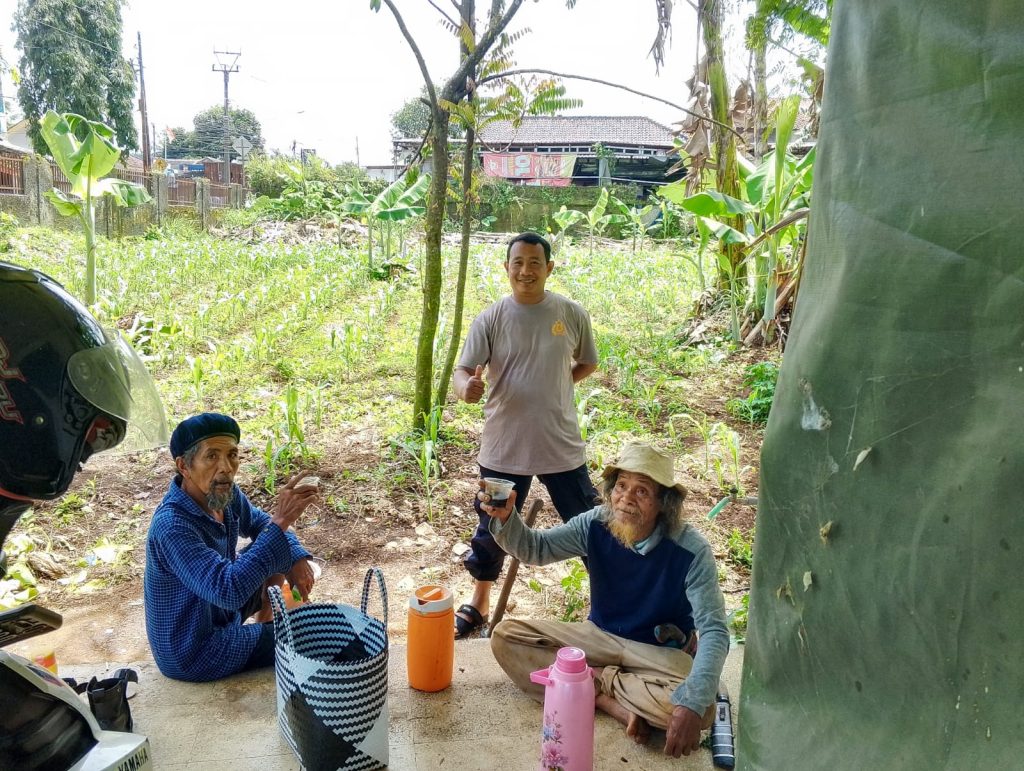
(327, 74)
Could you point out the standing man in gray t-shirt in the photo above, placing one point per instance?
(536, 345)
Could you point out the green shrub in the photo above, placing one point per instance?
(760, 378)
(8, 224)
(740, 548)
(738, 619)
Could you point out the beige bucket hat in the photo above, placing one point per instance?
(642, 458)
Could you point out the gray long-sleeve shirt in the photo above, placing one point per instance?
(669, 579)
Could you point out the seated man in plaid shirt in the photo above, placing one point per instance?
(199, 589)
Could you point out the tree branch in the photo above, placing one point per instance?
(446, 16)
(455, 89)
(416, 52)
(509, 73)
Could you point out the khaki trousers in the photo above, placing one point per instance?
(638, 676)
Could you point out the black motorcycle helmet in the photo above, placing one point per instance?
(68, 388)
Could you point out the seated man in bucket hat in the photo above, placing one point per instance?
(653, 582)
(199, 589)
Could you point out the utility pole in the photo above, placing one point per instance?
(146, 158)
(227, 69)
(357, 153)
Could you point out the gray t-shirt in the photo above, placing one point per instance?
(530, 422)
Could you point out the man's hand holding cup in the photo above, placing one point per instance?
(497, 497)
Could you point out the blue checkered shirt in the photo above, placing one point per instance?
(196, 582)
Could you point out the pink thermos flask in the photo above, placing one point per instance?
(567, 742)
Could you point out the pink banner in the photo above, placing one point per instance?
(552, 169)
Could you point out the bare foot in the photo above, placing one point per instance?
(636, 727)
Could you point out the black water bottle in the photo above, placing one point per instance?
(723, 753)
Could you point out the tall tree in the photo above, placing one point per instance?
(441, 102)
(207, 134)
(412, 119)
(71, 62)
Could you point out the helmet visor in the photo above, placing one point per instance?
(113, 379)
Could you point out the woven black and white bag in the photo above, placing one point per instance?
(332, 681)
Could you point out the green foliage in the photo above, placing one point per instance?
(740, 548)
(403, 199)
(566, 218)
(71, 63)
(19, 584)
(782, 21)
(86, 152)
(423, 446)
(776, 196)
(575, 590)
(8, 226)
(738, 619)
(207, 135)
(500, 194)
(598, 221)
(760, 378)
(411, 119)
(269, 175)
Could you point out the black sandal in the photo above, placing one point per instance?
(465, 627)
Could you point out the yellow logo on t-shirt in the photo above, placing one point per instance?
(558, 329)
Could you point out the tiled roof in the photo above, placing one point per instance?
(579, 130)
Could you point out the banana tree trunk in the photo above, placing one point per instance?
(710, 15)
(89, 226)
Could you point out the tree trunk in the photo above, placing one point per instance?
(760, 99)
(431, 270)
(89, 225)
(460, 286)
(468, 12)
(710, 15)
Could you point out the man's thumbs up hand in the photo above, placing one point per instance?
(475, 385)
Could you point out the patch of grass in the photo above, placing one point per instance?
(74, 505)
(738, 619)
(760, 379)
(740, 548)
(575, 590)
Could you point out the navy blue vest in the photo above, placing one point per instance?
(632, 593)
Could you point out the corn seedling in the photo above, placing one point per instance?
(585, 414)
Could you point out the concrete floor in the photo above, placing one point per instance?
(481, 722)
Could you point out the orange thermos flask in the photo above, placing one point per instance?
(431, 647)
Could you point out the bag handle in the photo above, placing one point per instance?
(282, 626)
(383, 592)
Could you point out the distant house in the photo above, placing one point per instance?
(213, 170)
(388, 171)
(569, 149)
(17, 135)
(210, 168)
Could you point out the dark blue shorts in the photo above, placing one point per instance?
(571, 492)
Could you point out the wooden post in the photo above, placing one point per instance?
(513, 569)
